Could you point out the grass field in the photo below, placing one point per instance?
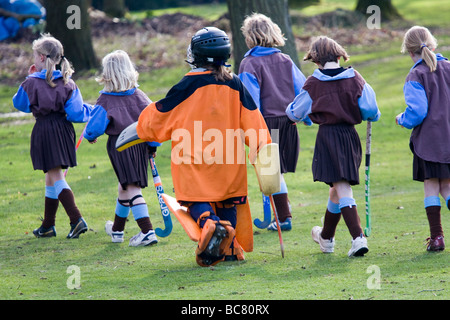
(397, 266)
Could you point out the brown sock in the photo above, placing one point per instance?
(119, 223)
(51, 206)
(329, 224)
(351, 218)
(434, 219)
(282, 205)
(68, 201)
(144, 224)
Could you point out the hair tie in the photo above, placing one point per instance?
(63, 57)
(48, 56)
(423, 45)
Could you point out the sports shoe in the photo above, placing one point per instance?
(435, 244)
(42, 232)
(77, 229)
(326, 245)
(359, 247)
(116, 236)
(143, 239)
(284, 226)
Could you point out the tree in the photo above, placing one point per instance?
(114, 8)
(68, 21)
(387, 9)
(277, 10)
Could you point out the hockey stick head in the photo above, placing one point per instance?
(128, 137)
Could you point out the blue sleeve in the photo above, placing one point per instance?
(299, 109)
(76, 110)
(97, 123)
(417, 105)
(368, 104)
(251, 83)
(298, 77)
(21, 101)
(154, 144)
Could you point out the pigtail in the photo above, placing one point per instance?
(66, 69)
(49, 65)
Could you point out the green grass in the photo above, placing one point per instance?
(36, 269)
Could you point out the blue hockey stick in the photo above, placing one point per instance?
(164, 209)
(267, 214)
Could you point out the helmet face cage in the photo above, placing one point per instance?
(210, 45)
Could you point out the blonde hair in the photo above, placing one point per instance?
(419, 40)
(260, 30)
(119, 73)
(53, 50)
(324, 49)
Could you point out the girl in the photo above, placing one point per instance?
(56, 102)
(337, 99)
(209, 113)
(273, 80)
(119, 105)
(427, 95)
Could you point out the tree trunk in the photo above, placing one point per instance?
(387, 9)
(68, 21)
(277, 10)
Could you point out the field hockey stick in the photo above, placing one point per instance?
(278, 225)
(267, 214)
(162, 205)
(368, 229)
(78, 144)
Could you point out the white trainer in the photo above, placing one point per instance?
(116, 236)
(143, 239)
(359, 247)
(326, 245)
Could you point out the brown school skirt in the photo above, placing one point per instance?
(130, 165)
(288, 141)
(423, 169)
(53, 143)
(337, 154)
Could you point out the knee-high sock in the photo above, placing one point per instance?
(332, 218)
(350, 215)
(433, 210)
(67, 198)
(51, 207)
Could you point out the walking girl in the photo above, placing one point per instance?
(119, 105)
(273, 80)
(55, 101)
(337, 99)
(427, 97)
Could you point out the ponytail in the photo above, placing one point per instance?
(429, 58)
(66, 69)
(50, 66)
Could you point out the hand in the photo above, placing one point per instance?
(93, 141)
(398, 117)
(32, 69)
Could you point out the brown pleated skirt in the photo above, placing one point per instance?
(423, 169)
(130, 165)
(288, 141)
(53, 143)
(337, 154)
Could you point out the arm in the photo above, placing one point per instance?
(76, 110)
(97, 123)
(299, 109)
(417, 105)
(252, 85)
(298, 78)
(368, 104)
(21, 101)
